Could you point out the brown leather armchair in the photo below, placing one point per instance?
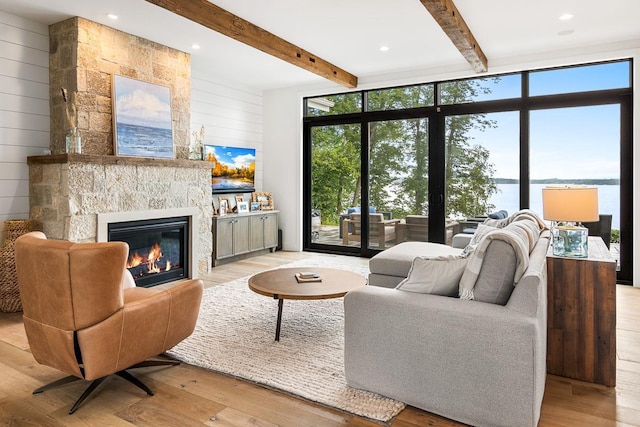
(80, 319)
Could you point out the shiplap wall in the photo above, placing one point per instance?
(24, 109)
(230, 113)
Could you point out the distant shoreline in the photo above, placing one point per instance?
(604, 181)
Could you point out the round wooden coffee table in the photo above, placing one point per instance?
(281, 284)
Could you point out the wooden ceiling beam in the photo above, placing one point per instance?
(448, 17)
(215, 18)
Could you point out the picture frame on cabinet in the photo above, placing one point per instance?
(224, 206)
(255, 206)
(243, 207)
(265, 199)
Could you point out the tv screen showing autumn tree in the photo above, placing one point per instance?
(233, 169)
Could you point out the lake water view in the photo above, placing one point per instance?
(508, 198)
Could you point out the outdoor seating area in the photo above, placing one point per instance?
(384, 231)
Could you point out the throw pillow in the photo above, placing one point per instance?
(437, 276)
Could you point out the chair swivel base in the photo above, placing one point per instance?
(95, 383)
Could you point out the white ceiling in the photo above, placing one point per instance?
(349, 33)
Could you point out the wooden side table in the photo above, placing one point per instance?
(581, 327)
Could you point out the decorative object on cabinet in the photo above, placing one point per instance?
(232, 170)
(243, 207)
(239, 198)
(224, 206)
(133, 128)
(255, 206)
(264, 199)
(567, 206)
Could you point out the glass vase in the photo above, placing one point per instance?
(74, 142)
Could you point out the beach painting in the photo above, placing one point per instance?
(141, 119)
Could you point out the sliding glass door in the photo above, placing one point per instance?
(335, 184)
(398, 181)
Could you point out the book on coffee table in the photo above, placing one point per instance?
(305, 276)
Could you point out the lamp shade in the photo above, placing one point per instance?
(574, 203)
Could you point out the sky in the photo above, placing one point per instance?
(567, 143)
(141, 103)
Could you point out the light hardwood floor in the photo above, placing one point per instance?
(186, 396)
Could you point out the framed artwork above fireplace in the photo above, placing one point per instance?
(142, 125)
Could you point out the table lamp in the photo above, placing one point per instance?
(567, 206)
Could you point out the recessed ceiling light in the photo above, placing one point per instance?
(195, 46)
(565, 32)
(112, 16)
(565, 17)
(384, 48)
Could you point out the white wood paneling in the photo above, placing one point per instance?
(24, 109)
(231, 114)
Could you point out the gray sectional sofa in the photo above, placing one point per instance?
(480, 363)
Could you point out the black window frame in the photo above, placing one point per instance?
(436, 116)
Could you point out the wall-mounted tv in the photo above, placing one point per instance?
(233, 169)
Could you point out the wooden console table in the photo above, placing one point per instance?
(581, 327)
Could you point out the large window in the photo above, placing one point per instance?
(482, 171)
(382, 163)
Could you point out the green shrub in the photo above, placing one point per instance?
(615, 236)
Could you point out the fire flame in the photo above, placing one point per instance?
(155, 253)
(152, 260)
(135, 260)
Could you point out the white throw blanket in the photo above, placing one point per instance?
(517, 237)
(524, 214)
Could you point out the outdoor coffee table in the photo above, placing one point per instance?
(281, 284)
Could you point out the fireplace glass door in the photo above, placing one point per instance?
(157, 248)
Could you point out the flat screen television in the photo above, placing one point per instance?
(232, 170)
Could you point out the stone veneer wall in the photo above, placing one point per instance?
(83, 57)
(68, 191)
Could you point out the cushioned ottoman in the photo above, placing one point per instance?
(390, 267)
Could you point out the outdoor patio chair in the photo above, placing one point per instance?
(380, 230)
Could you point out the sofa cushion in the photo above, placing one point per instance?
(495, 281)
(438, 276)
(495, 262)
(397, 260)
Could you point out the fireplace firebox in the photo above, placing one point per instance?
(158, 248)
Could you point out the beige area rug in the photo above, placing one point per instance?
(235, 335)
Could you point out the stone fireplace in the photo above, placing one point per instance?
(70, 195)
(74, 196)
